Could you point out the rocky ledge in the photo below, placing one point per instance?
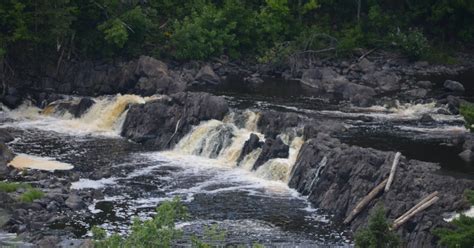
(336, 176)
(163, 122)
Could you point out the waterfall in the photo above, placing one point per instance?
(224, 141)
(105, 117)
(280, 168)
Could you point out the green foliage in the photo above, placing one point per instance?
(31, 194)
(469, 194)
(378, 233)
(414, 43)
(203, 35)
(211, 234)
(462, 235)
(201, 29)
(466, 109)
(157, 232)
(12, 187)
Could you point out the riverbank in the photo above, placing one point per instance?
(278, 135)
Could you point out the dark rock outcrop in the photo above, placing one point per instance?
(76, 109)
(272, 123)
(163, 122)
(251, 144)
(349, 173)
(6, 155)
(272, 148)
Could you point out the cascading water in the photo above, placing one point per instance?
(224, 141)
(105, 117)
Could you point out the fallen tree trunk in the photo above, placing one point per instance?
(365, 201)
(396, 160)
(406, 217)
(427, 198)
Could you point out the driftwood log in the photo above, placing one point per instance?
(365, 201)
(396, 160)
(422, 205)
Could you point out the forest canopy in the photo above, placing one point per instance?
(201, 29)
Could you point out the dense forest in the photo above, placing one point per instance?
(264, 30)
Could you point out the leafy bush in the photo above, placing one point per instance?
(157, 232)
(12, 187)
(466, 109)
(202, 35)
(378, 233)
(462, 235)
(31, 195)
(414, 44)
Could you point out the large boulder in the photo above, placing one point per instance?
(272, 148)
(454, 86)
(336, 176)
(163, 122)
(206, 75)
(384, 81)
(322, 79)
(154, 77)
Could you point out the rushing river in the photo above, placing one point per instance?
(251, 207)
(202, 170)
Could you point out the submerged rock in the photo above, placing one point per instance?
(163, 122)
(453, 86)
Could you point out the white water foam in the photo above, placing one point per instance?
(93, 184)
(104, 118)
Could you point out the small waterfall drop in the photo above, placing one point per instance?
(224, 141)
(280, 168)
(104, 117)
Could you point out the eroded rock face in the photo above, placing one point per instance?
(165, 121)
(273, 148)
(6, 155)
(251, 144)
(351, 172)
(272, 123)
(76, 109)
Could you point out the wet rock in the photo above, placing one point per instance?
(417, 93)
(5, 136)
(467, 155)
(251, 144)
(272, 148)
(453, 104)
(154, 77)
(6, 155)
(206, 75)
(322, 79)
(366, 66)
(83, 106)
(150, 67)
(454, 86)
(359, 95)
(12, 98)
(424, 84)
(350, 172)
(272, 123)
(163, 122)
(48, 241)
(426, 118)
(74, 202)
(385, 81)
